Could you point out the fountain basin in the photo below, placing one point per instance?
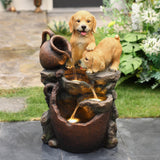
(102, 81)
(79, 137)
(75, 85)
(98, 105)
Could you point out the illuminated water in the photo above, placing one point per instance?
(72, 119)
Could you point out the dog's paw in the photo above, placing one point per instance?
(89, 71)
(68, 66)
(112, 68)
(91, 47)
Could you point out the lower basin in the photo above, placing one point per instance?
(79, 137)
(83, 136)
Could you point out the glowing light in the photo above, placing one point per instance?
(75, 80)
(73, 120)
(96, 99)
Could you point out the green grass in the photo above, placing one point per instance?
(134, 101)
(137, 101)
(36, 104)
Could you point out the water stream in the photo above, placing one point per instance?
(73, 119)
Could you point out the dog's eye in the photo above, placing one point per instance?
(78, 20)
(88, 21)
(86, 59)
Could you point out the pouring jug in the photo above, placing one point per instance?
(54, 52)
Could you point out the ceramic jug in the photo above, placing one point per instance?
(54, 52)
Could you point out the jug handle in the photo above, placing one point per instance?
(44, 35)
(48, 89)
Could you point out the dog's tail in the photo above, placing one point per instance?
(117, 37)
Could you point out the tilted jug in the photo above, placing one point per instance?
(54, 52)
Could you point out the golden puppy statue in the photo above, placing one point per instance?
(106, 54)
(82, 25)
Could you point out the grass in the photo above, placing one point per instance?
(137, 101)
(134, 101)
(36, 104)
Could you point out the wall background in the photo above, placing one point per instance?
(28, 5)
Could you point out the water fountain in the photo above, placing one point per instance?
(82, 112)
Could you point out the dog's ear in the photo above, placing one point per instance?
(94, 24)
(98, 64)
(71, 24)
(95, 64)
(102, 66)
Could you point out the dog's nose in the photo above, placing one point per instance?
(79, 62)
(83, 27)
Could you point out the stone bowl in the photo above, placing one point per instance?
(98, 106)
(80, 137)
(102, 81)
(76, 84)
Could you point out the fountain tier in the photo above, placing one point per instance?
(97, 118)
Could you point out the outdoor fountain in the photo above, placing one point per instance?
(82, 112)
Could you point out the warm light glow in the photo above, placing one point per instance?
(95, 99)
(75, 80)
(73, 120)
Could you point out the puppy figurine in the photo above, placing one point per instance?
(106, 54)
(82, 25)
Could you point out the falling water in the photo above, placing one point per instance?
(94, 93)
(72, 119)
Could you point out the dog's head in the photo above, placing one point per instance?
(82, 22)
(87, 60)
(92, 62)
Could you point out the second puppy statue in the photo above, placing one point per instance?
(106, 54)
(82, 25)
